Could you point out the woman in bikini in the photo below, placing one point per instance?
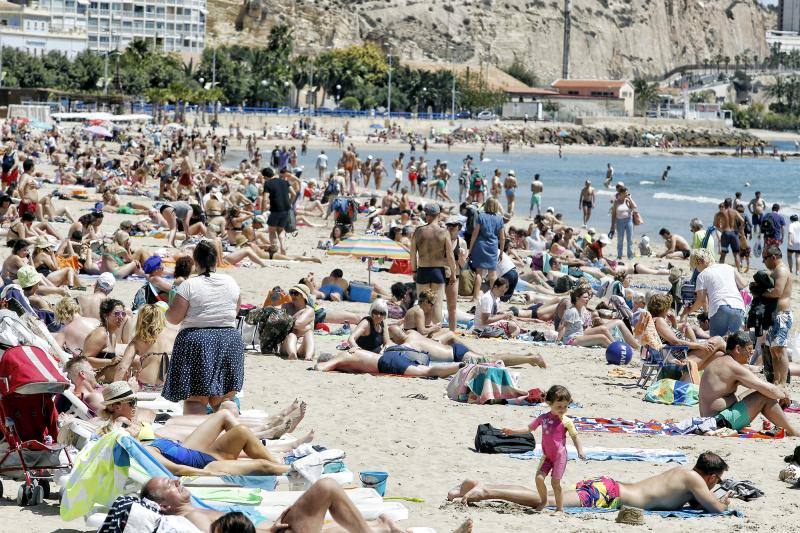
(100, 347)
(700, 352)
(151, 342)
(119, 259)
(46, 263)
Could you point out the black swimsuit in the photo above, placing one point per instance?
(372, 341)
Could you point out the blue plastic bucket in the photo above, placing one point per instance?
(360, 292)
(374, 480)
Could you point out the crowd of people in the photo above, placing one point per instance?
(474, 269)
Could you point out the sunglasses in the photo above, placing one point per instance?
(379, 313)
(131, 402)
(294, 293)
(120, 314)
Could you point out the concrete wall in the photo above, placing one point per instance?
(574, 108)
(519, 109)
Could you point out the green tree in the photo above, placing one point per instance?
(520, 71)
(645, 93)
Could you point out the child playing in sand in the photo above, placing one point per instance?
(555, 426)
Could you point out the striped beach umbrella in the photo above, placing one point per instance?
(371, 247)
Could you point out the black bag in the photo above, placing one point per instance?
(291, 224)
(488, 439)
(565, 284)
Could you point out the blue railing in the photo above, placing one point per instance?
(288, 111)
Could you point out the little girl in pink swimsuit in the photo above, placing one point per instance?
(555, 426)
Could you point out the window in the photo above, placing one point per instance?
(573, 93)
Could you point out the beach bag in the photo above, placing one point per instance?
(564, 284)
(637, 218)
(291, 224)
(466, 283)
(767, 225)
(273, 325)
(489, 439)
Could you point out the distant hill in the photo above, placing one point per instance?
(610, 38)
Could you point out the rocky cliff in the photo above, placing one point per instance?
(609, 38)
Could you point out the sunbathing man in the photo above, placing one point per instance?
(450, 350)
(721, 380)
(90, 303)
(307, 514)
(667, 491)
(357, 361)
(213, 448)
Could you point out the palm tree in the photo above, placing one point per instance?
(727, 61)
(644, 93)
(158, 96)
(298, 73)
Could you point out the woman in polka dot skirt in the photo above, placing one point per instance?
(207, 364)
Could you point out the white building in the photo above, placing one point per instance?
(170, 25)
(789, 15)
(44, 26)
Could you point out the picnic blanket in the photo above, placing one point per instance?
(654, 455)
(671, 392)
(483, 383)
(655, 427)
(686, 512)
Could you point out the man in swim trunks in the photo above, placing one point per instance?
(676, 246)
(432, 258)
(722, 378)
(334, 287)
(396, 362)
(536, 196)
(667, 491)
(726, 221)
(447, 348)
(510, 185)
(306, 514)
(782, 319)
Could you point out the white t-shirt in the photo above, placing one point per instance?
(794, 236)
(486, 304)
(322, 161)
(505, 264)
(719, 282)
(212, 301)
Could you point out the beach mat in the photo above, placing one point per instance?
(613, 454)
(653, 427)
(682, 513)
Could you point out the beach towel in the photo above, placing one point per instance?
(648, 455)
(671, 392)
(686, 512)
(240, 495)
(654, 427)
(645, 331)
(483, 383)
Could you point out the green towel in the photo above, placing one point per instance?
(237, 495)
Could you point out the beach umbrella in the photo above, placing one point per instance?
(99, 131)
(173, 125)
(371, 247)
(375, 126)
(39, 125)
(97, 122)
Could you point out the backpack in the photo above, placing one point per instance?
(273, 324)
(489, 439)
(768, 225)
(345, 210)
(9, 161)
(145, 295)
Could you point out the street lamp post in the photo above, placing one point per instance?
(288, 103)
(338, 88)
(264, 87)
(389, 93)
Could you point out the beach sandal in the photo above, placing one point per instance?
(418, 396)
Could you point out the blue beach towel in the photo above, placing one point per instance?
(613, 454)
(686, 512)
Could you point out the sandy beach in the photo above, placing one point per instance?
(426, 443)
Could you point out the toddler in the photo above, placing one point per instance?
(555, 426)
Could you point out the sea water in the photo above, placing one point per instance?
(696, 184)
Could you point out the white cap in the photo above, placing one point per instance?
(106, 282)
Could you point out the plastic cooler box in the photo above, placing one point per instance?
(360, 292)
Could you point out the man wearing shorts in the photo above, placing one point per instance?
(394, 361)
(777, 336)
(432, 258)
(726, 221)
(676, 246)
(723, 377)
(536, 196)
(279, 195)
(667, 491)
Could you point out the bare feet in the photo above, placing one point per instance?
(296, 416)
(460, 490)
(387, 525)
(294, 405)
(475, 494)
(539, 361)
(465, 527)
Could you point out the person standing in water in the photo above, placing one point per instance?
(609, 176)
(510, 186)
(536, 196)
(665, 174)
(586, 201)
